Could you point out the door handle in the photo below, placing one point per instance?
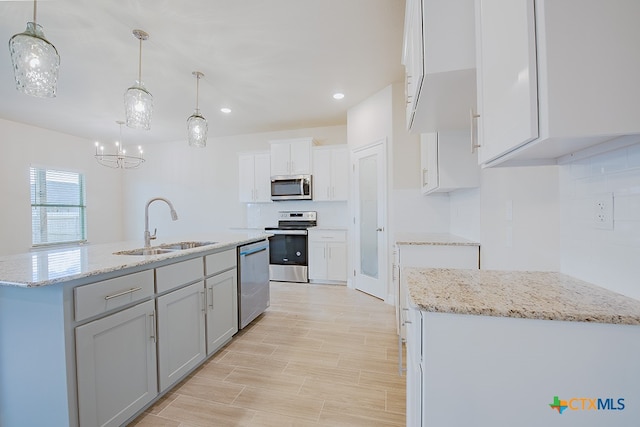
(380, 229)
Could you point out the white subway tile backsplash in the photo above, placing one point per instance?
(608, 258)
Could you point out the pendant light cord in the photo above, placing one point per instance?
(197, 90)
(140, 63)
(35, 8)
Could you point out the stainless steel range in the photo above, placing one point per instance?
(288, 260)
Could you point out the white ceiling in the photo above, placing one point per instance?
(275, 63)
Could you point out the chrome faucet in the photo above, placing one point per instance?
(148, 237)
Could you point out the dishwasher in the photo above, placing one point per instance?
(253, 281)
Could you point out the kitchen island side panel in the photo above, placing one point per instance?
(33, 352)
(484, 370)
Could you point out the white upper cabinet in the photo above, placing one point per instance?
(291, 156)
(439, 59)
(447, 162)
(554, 77)
(254, 177)
(331, 173)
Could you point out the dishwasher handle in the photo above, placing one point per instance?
(253, 250)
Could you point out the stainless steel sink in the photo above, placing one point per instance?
(164, 249)
(184, 245)
(145, 251)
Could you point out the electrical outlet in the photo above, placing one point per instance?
(603, 211)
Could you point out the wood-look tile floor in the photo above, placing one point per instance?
(321, 355)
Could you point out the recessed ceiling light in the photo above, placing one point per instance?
(338, 95)
(225, 110)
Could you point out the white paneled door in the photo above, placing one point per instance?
(370, 219)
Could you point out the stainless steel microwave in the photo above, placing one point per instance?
(291, 187)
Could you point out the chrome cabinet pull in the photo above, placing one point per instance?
(204, 302)
(211, 303)
(153, 326)
(400, 368)
(473, 117)
(119, 294)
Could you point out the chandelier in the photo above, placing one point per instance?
(120, 159)
(197, 126)
(138, 101)
(35, 61)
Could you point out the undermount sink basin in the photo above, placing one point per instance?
(164, 249)
(184, 245)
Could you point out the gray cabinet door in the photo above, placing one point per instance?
(222, 309)
(181, 333)
(116, 366)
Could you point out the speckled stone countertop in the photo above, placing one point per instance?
(530, 295)
(410, 238)
(50, 266)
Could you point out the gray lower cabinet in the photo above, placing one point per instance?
(181, 333)
(222, 309)
(116, 366)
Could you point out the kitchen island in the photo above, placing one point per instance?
(89, 337)
(498, 348)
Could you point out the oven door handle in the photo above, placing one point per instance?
(292, 232)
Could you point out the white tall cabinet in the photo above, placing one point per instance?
(291, 156)
(553, 76)
(254, 178)
(331, 173)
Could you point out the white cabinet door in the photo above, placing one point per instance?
(181, 332)
(413, 321)
(321, 174)
(280, 158)
(317, 260)
(222, 309)
(337, 261)
(506, 76)
(429, 161)
(300, 157)
(262, 178)
(340, 174)
(447, 162)
(254, 180)
(116, 366)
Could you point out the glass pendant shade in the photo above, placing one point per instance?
(35, 62)
(197, 126)
(138, 101)
(138, 104)
(197, 129)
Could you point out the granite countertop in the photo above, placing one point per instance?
(411, 238)
(530, 295)
(50, 266)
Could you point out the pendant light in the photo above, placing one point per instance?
(35, 61)
(197, 126)
(118, 159)
(138, 101)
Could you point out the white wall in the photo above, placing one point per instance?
(203, 186)
(24, 146)
(609, 258)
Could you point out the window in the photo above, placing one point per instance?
(58, 208)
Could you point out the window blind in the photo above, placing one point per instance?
(58, 208)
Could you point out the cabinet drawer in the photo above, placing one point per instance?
(220, 261)
(180, 273)
(328, 235)
(100, 297)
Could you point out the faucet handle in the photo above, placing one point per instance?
(153, 236)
